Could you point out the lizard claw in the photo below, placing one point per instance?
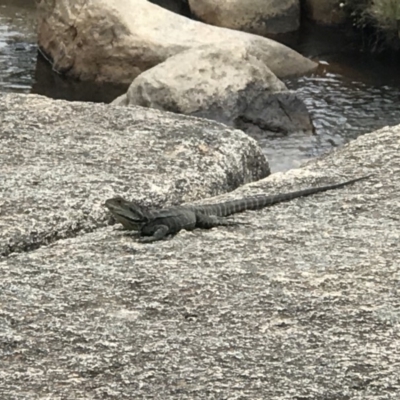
(146, 239)
(143, 240)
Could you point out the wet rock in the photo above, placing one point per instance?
(301, 302)
(60, 161)
(325, 12)
(116, 40)
(261, 17)
(227, 84)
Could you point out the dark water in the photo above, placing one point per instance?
(18, 50)
(341, 109)
(350, 95)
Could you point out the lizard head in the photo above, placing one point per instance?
(131, 215)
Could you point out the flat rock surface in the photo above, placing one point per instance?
(302, 302)
(60, 161)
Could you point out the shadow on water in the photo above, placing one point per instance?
(350, 94)
(49, 83)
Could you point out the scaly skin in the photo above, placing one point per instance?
(154, 225)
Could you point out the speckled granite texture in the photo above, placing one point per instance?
(303, 302)
(61, 160)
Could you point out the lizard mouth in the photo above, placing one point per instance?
(122, 212)
(127, 222)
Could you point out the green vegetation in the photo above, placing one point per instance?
(380, 19)
(386, 13)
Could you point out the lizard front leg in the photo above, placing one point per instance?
(160, 231)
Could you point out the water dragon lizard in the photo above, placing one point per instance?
(155, 225)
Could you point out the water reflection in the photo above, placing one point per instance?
(17, 45)
(341, 110)
(51, 84)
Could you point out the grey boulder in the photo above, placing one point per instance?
(230, 84)
(116, 40)
(60, 161)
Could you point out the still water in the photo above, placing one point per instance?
(350, 95)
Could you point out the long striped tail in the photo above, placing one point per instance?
(260, 201)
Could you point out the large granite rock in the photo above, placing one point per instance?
(262, 17)
(60, 161)
(300, 303)
(226, 84)
(116, 40)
